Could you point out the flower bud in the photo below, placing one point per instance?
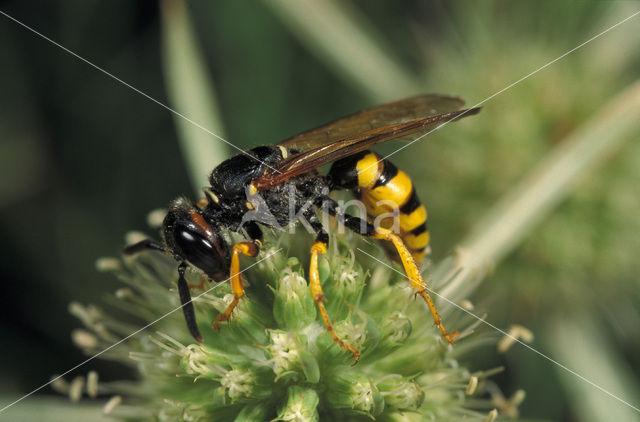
(251, 413)
(401, 393)
(395, 331)
(353, 392)
(246, 324)
(359, 331)
(239, 384)
(293, 307)
(290, 359)
(345, 286)
(301, 405)
(199, 360)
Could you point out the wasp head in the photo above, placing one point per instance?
(190, 237)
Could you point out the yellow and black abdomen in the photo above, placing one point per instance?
(388, 195)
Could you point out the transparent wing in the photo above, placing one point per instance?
(387, 114)
(313, 158)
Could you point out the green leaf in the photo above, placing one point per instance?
(526, 205)
(580, 344)
(191, 94)
(349, 44)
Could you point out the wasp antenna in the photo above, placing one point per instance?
(144, 245)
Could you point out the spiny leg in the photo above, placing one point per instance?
(320, 247)
(411, 269)
(244, 248)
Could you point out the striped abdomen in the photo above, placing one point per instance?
(388, 195)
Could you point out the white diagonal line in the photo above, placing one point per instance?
(132, 334)
(505, 88)
(112, 76)
(512, 337)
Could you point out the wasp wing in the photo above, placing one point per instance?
(313, 158)
(399, 111)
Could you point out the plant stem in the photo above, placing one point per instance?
(343, 38)
(579, 339)
(191, 92)
(529, 202)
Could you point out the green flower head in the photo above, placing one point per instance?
(275, 360)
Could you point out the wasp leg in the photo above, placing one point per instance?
(144, 245)
(408, 262)
(320, 247)
(187, 303)
(244, 248)
(412, 271)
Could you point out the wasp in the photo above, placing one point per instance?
(195, 233)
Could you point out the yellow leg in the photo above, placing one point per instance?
(320, 248)
(245, 248)
(415, 277)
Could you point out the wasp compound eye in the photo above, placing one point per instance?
(199, 250)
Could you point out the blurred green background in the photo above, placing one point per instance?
(84, 158)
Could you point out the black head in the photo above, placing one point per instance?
(190, 237)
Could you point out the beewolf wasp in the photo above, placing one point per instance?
(193, 232)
